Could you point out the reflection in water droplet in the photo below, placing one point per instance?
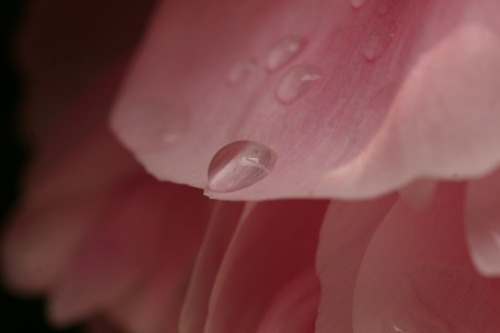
(379, 40)
(296, 82)
(358, 3)
(284, 51)
(239, 165)
(385, 7)
(151, 124)
(241, 70)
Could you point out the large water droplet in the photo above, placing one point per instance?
(284, 51)
(358, 3)
(297, 82)
(241, 70)
(239, 165)
(379, 40)
(151, 124)
(385, 6)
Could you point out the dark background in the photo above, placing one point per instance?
(17, 315)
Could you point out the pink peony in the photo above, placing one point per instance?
(374, 123)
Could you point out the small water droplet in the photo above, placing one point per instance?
(284, 51)
(241, 70)
(385, 6)
(397, 329)
(151, 125)
(297, 82)
(379, 40)
(358, 3)
(239, 165)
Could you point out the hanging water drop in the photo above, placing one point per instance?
(241, 70)
(356, 4)
(297, 82)
(379, 40)
(239, 165)
(284, 51)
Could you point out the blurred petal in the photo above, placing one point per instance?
(295, 306)
(417, 276)
(120, 249)
(364, 101)
(155, 302)
(482, 220)
(276, 243)
(39, 244)
(345, 234)
(75, 169)
(220, 232)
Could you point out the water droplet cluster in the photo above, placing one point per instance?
(243, 163)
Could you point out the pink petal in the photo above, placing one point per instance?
(295, 306)
(122, 247)
(39, 244)
(482, 220)
(372, 99)
(220, 231)
(274, 244)
(77, 154)
(63, 47)
(430, 129)
(155, 303)
(416, 275)
(345, 234)
(72, 175)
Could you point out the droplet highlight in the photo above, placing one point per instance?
(356, 4)
(150, 124)
(284, 51)
(379, 40)
(297, 82)
(242, 70)
(240, 164)
(408, 313)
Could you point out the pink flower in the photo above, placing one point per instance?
(375, 123)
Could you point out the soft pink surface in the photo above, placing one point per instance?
(417, 276)
(109, 243)
(406, 91)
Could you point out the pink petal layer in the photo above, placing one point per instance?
(416, 275)
(39, 244)
(121, 248)
(275, 243)
(295, 306)
(220, 231)
(154, 304)
(345, 234)
(74, 171)
(368, 101)
(482, 220)
(78, 156)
